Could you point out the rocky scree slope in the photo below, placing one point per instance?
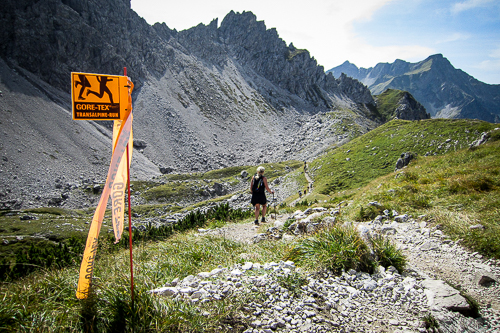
(44, 153)
(446, 92)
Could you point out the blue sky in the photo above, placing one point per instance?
(365, 32)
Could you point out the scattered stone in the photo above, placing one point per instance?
(404, 160)
(485, 279)
(440, 294)
(476, 226)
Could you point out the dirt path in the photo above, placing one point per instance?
(309, 188)
(245, 232)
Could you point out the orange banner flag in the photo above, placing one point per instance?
(120, 185)
(123, 138)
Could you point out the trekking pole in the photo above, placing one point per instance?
(275, 214)
(274, 207)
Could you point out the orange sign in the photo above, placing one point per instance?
(99, 96)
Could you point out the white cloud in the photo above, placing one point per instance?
(468, 4)
(495, 53)
(490, 65)
(457, 36)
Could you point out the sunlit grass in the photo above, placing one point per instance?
(457, 190)
(46, 301)
(341, 248)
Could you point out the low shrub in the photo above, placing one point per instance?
(68, 252)
(292, 282)
(369, 213)
(430, 321)
(387, 254)
(288, 223)
(42, 255)
(338, 248)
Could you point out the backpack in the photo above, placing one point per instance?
(258, 184)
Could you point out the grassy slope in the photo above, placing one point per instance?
(375, 154)
(172, 188)
(458, 190)
(387, 102)
(458, 187)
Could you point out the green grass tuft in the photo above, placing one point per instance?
(387, 254)
(338, 249)
(292, 282)
(430, 321)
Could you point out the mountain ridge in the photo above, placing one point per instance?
(445, 92)
(204, 98)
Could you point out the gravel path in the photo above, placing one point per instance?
(358, 302)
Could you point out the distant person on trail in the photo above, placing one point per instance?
(300, 194)
(257, 186)
(305, 166)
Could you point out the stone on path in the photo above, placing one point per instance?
(439, 294)
(484, 278)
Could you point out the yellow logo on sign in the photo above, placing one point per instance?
(98, 96)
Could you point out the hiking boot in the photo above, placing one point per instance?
(263, 220)
(256, 222)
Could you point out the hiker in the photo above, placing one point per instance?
(257, 186)
(300, 194)
(305, 166)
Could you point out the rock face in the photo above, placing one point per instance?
(404, 160)
(442, 295)
(204, 98)
(446, 92)
(397, 104)
(409, 109)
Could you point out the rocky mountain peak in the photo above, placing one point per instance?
(204, 98)
(446, 92)
(243, 38)
(410, 109)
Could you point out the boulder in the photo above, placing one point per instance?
(484, 137)
(56, 201)
(165, 291)
(404, 160)
(140, 144)
(165, 170)
(219, 189)
(485, 279)
(441, 295)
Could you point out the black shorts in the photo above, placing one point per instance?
(259, 198)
